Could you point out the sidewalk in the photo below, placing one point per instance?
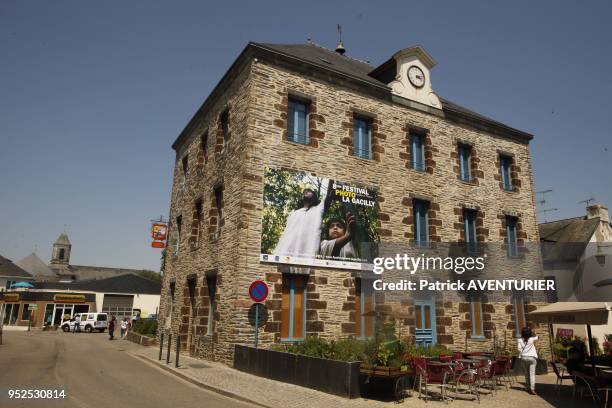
(274, 394)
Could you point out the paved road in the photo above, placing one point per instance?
(94, 372)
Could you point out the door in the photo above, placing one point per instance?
(9, 316)
(119, 306)
(62, 313)
(425, 322)
(191, 343)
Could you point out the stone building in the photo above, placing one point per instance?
(471, 174)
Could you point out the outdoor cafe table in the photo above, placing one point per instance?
(438, 363)
(469, 361)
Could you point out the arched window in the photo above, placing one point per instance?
(62, 253)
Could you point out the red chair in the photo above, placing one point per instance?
(507, 377)
(445, 359)
(420, 369)
(436, 375)
(471, 378)
(457, 355)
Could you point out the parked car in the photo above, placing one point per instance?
(89, 322)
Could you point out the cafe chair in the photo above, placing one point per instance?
(584, 383)
(469, 377)
(560, 373)
(436, 375)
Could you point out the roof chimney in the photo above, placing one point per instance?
(598, 211)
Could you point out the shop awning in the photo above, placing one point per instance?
(591, 313)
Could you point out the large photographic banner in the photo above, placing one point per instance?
(314, 221)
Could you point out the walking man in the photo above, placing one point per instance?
(111, 328)
(77, 323)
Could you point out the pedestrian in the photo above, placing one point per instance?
(124, 326)
(529, 356)
(135, 317)
(111, 328)
(77, 323)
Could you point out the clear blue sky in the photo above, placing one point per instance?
(92, 94)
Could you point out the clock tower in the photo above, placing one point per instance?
(408, 75)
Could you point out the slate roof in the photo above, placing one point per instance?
(331, 60)
(566, 240)
(35, 266)
(328, 59)
(9, 269)
(63, 239)
(577, 229)
(309, 57)
(126, 283)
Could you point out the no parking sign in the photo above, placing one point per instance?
(258, 291)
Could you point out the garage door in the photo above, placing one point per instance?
(118, 305)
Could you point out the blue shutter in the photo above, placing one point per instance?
(362, 138)
(477, 326)
(297, 122)
(464, 163)
(512, 238)
(421, 227)
(519, 316)
(505, 173)
(417, 152)
(469, 220)
(357, 137)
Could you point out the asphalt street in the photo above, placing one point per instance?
(94, 373)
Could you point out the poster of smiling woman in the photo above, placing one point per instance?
(314, 221)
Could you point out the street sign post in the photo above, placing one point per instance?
(258, 291)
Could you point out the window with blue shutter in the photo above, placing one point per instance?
(477, 321)
(506, 178)
(293, 307)
(465, 155)
(511, 235)
(417, 151)
(362, 138)
(297, 121)
(519, 315)
(364, 302)
(421, 222)
(469, 222)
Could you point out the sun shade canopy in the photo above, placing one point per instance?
(592, 313)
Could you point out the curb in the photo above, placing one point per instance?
(199, 383)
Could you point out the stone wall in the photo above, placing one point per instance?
(257, 100)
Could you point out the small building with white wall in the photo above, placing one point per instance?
(121, 296)
(577, 253)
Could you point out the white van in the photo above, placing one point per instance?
(89, 322)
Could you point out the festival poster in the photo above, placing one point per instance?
(314, 221)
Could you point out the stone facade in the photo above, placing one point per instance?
(256, 99)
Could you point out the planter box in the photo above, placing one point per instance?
(140, 339)
(330, 376)
(382, 371)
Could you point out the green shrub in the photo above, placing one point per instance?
(146, 327)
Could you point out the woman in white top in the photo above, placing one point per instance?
(529, 356)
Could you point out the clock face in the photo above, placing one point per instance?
(416, 76)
